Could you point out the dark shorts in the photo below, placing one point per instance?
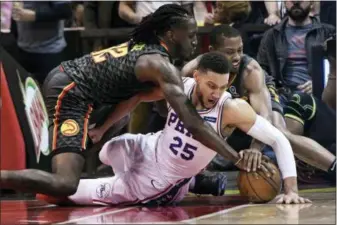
(275, 99)
(68, 112)
(318, 120)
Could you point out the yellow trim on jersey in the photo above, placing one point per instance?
(276, 97)
(313, 108)
(295, 118)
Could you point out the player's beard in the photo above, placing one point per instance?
(183, 53)
(297, 13)
(200, 96)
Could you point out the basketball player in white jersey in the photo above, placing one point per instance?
(158, 169)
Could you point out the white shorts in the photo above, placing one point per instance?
(137, 179)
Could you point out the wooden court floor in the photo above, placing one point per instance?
(229, 209)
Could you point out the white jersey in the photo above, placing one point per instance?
(179, 155)
(152, 168)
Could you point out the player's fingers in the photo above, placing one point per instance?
(259, 160)
(264, 170)
(307, 200)
(241, 154)
(297, 200)
(245, 160)
(287, 200)
(301, 200)
(250, 162)
(255, 161)
(265, 158)
(269, 167)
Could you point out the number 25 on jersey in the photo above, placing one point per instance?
(186, 151)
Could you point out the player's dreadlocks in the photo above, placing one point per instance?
(157, 23)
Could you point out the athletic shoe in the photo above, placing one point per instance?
(213, 183)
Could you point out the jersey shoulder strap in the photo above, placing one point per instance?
(189, 84)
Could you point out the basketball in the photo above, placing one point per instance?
(257, 187)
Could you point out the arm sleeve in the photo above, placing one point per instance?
(263, 131)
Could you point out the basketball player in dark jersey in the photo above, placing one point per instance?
(250, 82)
(124, 76)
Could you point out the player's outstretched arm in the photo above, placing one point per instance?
(158, 69)
(188, 69)
(259, 97)
(240, 114)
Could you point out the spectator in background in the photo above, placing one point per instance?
(229, 12)
(327, 12)
(6, 11)
(329, 93)
(40, 35)
(101, 15)
(284, 48)
(133, 11)
(78, 13)
(274, 12)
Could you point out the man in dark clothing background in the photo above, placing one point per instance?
(40, 35)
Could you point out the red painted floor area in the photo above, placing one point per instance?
(35, 212)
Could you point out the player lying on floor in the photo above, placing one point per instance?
(158, 169)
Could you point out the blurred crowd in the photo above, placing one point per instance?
(39, 31)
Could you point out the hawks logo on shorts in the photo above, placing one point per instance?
(70, 128)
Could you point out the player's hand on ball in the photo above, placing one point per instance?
(251, 159)
(95, 135)
(291, 198)
(267, 167)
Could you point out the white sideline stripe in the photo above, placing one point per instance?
(193, 220)
(96, 215)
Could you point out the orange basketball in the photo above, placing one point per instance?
(259, 188)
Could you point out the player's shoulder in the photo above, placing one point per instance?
(253, 66)
(234, 105)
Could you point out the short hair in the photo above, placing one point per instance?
(215, 62)
(220, 32)
(157, 23)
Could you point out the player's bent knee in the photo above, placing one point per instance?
(66, 185)
(115, 145)
(67, 168)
